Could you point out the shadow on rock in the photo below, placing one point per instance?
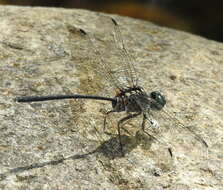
(110, 149)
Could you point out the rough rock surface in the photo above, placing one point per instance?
(61, 144)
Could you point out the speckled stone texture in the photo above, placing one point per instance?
(62, 145)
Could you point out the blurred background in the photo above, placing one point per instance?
(202, 17)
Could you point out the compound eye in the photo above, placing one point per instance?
(159, 100)
(156, 95)
(153, 94)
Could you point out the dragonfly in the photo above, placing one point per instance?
(130, 96)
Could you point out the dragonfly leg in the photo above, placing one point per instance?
(143, 128)
(105, 118)
(154, 138)
(105, 123)
(119, 128)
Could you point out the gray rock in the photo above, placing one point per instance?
(61, 144)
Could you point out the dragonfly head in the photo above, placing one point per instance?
(159, 102)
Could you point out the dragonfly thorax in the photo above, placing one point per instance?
(137, 100)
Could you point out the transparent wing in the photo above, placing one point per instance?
(181, 127)
(128, 59)
(167, 128)
(104, 67)
(114, 63)
(88, 48)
